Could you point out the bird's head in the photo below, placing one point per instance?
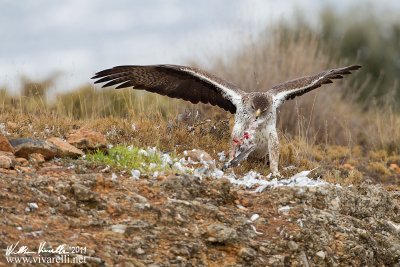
(259, 105)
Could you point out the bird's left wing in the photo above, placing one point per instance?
(300, 86)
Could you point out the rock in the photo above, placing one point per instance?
(36, 158)
(26, 146)
(83, 193)
(136, 226)
(139, 198)
(5, 145)
(22, 162)
(276, 260)
(33, 206)
(86, 139)
(65, 149)
(335, 203)
(394, 227)
(7, 160)
(24, 169)
(219, 233)
(200, 156)
(182, 187)
(118, 228)
(293, 245)
(284, 210)
(247, 254)
(321, 254)
(8, 171)
(395, 250)
(254, 217)
(221, 191)
(139, 251)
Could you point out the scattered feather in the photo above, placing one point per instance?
(254, 217)
(135, 174)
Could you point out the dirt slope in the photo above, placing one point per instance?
(184, 221)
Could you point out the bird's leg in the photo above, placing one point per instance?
(273, 150)
(266, 160)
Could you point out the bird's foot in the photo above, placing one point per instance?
(274, 175)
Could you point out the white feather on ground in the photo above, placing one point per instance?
(250, 180)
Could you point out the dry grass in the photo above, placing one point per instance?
(323, 116)
(321, 129)
(340, 164)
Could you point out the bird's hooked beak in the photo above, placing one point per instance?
(257, 113)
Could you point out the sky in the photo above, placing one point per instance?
(80, 37)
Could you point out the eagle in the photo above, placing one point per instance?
(254, 132)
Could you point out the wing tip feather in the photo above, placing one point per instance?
(354, 67)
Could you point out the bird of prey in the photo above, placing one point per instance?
(254, 131)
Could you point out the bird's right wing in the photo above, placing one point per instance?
(300, 86)
(175, 81)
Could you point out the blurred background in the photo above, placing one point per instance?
(49, 51)
(72, 40)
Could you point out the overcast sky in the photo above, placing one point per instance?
(80, 37)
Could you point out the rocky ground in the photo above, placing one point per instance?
(181, 220)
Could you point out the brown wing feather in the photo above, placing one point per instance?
(300, 86)
(182, 82)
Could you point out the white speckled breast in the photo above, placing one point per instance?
(261, 150)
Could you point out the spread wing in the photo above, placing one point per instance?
(300, 86)
(175, 81)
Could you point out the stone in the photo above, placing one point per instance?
(33, 206)
(293, 245)
(36, 158)
(135, 226)
(139, 198)
(5, 145)
(276, 260)
(87, 139)
(8, 171)
(139, 251)
(182, 187)
(254, 217)
(22, 162)
(83, 193)
(7, 160)
(24, 169)
(64, 149)
(394, 227)
(395, 250)
(118, 228)
(335, 203)
(200, 156)
(219, 233)
(247, 254)
(321, 254)
(26, 146)
(221, 191)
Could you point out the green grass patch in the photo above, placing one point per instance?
(132, 158)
